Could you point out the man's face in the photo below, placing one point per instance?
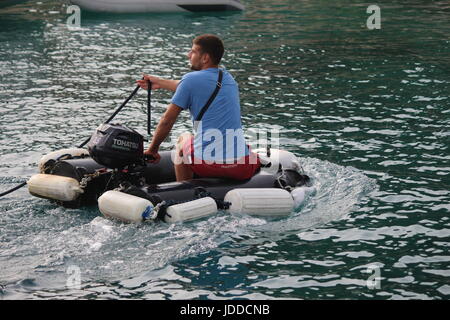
(195, 58)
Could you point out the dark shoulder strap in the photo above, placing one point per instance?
(211, 99)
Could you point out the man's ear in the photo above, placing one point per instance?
(206, 58)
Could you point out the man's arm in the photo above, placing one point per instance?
(158, 83)
(163, 129)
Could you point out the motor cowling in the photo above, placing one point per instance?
(116, 146)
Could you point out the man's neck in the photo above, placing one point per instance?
(210, 66)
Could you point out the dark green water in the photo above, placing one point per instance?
(366, 111)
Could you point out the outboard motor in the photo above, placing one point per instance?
(116, 146)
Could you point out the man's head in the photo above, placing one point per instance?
(206, 52)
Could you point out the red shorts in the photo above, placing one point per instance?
(241, 169)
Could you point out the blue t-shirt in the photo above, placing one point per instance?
(219, 135)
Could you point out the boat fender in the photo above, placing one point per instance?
(300, 194)
(269, 165)
(48, 160)
(54, 187)
(286, 159)
(260, 201)
(191, 210)
(125, 207)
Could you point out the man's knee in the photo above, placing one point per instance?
(183, 139)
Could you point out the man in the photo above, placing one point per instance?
(218, 148)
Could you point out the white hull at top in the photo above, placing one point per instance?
(135, 6)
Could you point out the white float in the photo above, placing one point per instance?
(129, 208)
(261, 202)
(287, 159)
(300, 194)
(54, 187)
(124, 207)
(191, 210)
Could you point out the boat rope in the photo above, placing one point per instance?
(13, 189)
(114, 114)
(87, 140)
(89, 177)
(149, 107)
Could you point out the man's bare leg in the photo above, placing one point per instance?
(183, 169)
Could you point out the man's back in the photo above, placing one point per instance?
(220, 128)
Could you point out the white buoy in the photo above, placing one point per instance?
(54, 187)
(191, 210)
(262, 202)
(74, 152)
(287, 159)
(300, 194)
(124, 207)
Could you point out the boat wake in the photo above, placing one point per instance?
(43, 241)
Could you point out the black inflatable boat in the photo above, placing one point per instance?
(113, 172)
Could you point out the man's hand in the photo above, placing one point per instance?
(154, 80)
(165, 124)
(152, 156)
(158, 83)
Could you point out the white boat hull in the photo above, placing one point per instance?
(136, 6)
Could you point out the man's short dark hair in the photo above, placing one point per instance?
(211, 45)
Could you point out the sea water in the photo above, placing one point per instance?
(366, 111)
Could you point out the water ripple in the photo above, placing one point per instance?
(368, 121)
